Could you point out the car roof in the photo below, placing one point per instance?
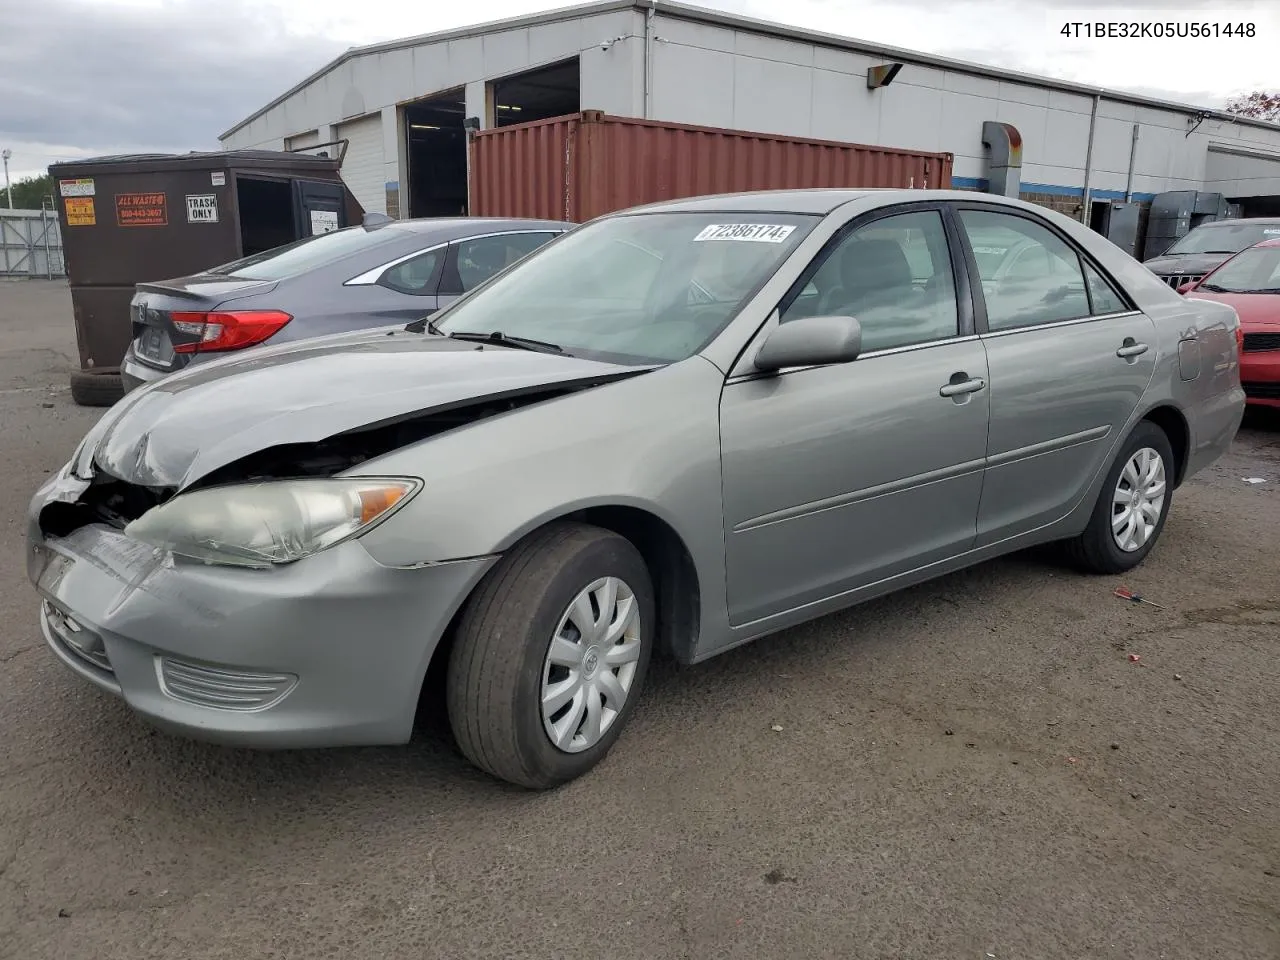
(815, 201)
(450, 228)
(1238, 221)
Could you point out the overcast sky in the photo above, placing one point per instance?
(88, 77)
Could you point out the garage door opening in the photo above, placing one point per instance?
(541, 94)
(437, 155)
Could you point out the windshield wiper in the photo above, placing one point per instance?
(500, 338)
(1213, 288)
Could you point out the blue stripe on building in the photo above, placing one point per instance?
(1053, 189)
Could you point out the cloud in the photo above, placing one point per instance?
(81, 78)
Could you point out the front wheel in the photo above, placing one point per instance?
(550, 655)
(1132, 506)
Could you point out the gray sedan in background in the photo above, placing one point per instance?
(673, 430)
(382, 272)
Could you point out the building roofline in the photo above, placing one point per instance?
(697, 14)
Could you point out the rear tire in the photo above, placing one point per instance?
(1128, 492)
(518, 652)
(96, 388)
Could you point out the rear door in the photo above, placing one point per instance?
(1069, 360)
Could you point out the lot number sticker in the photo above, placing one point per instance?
(80, 212)
(76, 188)
(142, 210)
(202, 208)
(748, 232)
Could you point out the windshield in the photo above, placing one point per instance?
(280, 263)
(1254, 271)
(1224, 238)
(641, 288)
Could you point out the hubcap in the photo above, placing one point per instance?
(591, 664)
(1138, 501)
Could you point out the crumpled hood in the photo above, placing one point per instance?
(1191, 264)
(173, 431)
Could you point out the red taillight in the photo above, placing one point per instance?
(226, 330)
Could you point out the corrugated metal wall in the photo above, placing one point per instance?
(589, 164)
(362, 167)
(30, 244)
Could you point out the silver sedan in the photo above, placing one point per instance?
(673, 430)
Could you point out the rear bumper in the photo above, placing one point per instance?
(134, 373)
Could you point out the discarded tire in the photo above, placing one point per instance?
(94, 388)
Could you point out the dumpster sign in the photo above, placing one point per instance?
(142, 210)
(202, 208)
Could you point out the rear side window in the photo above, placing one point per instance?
(1029, 275)
(1102, 295)
(416, 277)
(304, 255)
(479, 259)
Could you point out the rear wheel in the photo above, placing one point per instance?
(551, 654)
(1132, 506)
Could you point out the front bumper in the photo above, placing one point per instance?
(328, 651)
(1260, 377)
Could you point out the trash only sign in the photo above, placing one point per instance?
(202, 208)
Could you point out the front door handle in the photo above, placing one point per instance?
(958, 388)
(1130, 349)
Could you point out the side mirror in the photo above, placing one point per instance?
(810, 342)
(1186, 287)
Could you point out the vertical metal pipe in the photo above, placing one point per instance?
(1133, 153)
(1088, 160)
(48, 260)
(648, 59)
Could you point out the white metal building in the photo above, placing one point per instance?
(402, 106)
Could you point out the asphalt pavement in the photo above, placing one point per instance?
(974, 768)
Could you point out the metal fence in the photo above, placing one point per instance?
(30, 244)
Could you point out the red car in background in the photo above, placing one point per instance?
(1250, 282)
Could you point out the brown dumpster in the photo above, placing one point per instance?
(131, 219)
(588, 164)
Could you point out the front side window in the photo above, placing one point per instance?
(892, 275)
(1029, 275)
(643, 288)
(481, 258)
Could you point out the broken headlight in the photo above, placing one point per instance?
(261, 524)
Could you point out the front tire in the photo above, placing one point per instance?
(551, 655)
(1132, 505)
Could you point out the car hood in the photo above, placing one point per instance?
(178, 429)
(1254, 309)
(1185, 264)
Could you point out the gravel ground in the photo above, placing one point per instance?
(974, 768)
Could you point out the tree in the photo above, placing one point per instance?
(1259, 105)
(29, 193)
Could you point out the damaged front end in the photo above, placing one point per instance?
(257, 510)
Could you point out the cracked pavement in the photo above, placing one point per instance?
(973, 767)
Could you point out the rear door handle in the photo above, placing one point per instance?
(972, 385)
(1131, 349)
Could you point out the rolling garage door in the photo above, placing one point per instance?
(362, 168)
(303, 141)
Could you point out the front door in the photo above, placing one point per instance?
(1069, 359)
(836, 477)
